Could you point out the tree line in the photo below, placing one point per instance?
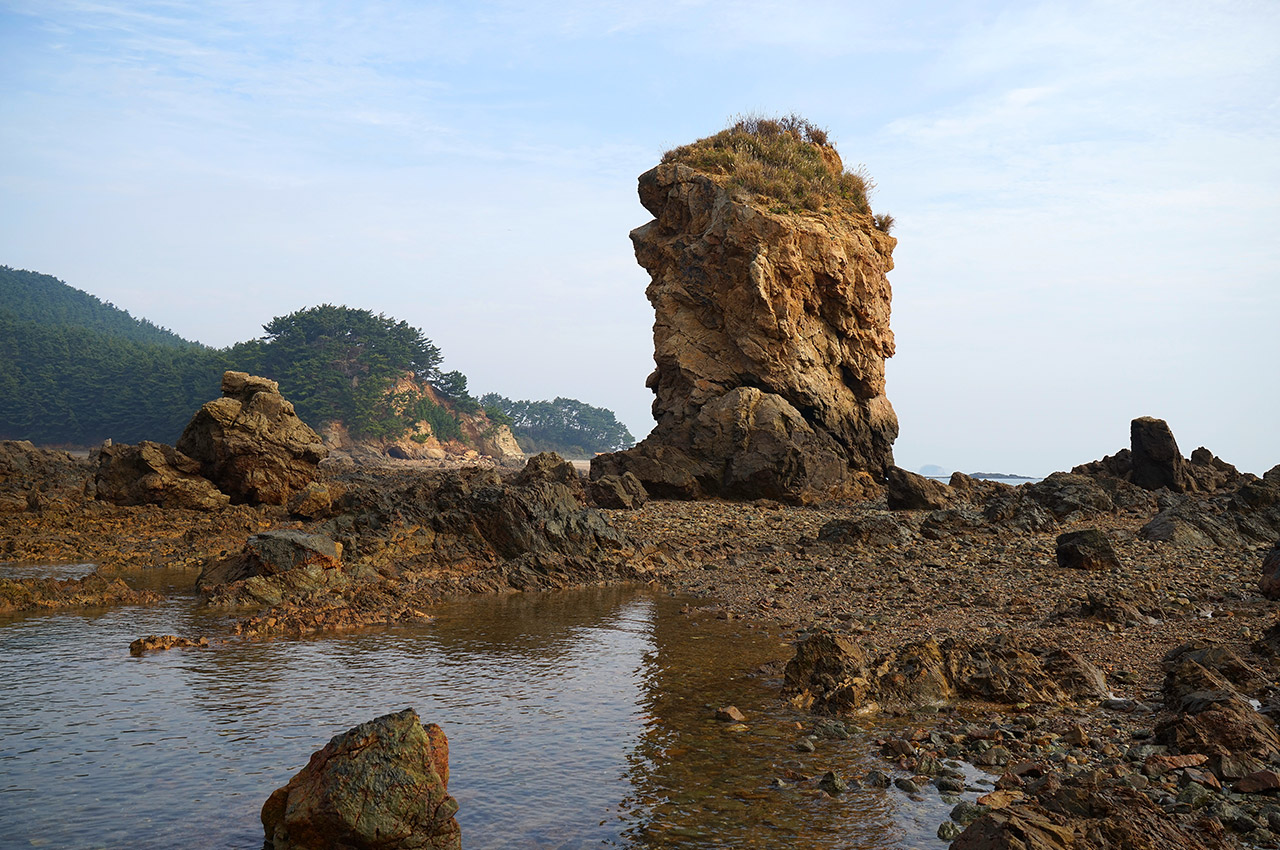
(76, 371)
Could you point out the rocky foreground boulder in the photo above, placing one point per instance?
(251, 444)
(383, 785)
(770, 337)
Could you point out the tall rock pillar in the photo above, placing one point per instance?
(770, 337)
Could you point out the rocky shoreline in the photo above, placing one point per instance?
(887, 581)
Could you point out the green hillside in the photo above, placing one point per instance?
(76, 371)
(44, 300)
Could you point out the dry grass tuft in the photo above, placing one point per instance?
(782, 159)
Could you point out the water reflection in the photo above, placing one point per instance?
(576, 719)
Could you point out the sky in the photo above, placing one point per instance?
(1086, 194)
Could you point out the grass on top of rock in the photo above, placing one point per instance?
(787, 159)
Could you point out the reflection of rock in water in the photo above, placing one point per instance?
(696, 781)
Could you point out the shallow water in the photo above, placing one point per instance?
(575, 719)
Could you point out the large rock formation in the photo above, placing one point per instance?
(251, 444)
(154, 474)
(1153, 461)
(380, 786)
(770, 337)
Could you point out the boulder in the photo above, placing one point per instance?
(382, 785)
(624, 492)
(1091, 812)
(912, 492)
(251, 444)
(1088, 549)
(770, 337)
(833, 674)
(1269, 585)
(1155, 459)
(878, 530)
(271, 553)
(1070, 497)
(154, 474)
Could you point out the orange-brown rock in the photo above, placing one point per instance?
(157, 643)
(382, 785)
(154, 474)
(770, 338)
(251, 444)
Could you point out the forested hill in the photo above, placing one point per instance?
(75, 371)
(44, 300)
(570, 427)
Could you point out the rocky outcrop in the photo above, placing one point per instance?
(911, 492)
(271, 553)
(1091, 812)
(1153, 462)
(833, 674)
(154, 474)
(92, 591)
(407, 539)
(30, 477)
(159, 643)
(382, 785)
(251, 444)
(770, 337)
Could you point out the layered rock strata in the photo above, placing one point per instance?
(770, 337)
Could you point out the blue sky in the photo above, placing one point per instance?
(1087, 194)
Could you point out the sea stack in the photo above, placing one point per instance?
(771, 321)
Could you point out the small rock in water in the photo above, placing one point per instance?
(159, 642)
(805, 745)
(966, 812)
(949, 784)
(833, 783)
(730, 714)
(949, 830)
(908, 785)
(876, 779)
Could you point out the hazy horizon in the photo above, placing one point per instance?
(1086, 195)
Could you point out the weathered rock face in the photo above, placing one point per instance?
(770, 338)
(380, 786)
(251, 444)
(831, 673)
(154, 474)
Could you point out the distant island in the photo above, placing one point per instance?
(932, 470)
